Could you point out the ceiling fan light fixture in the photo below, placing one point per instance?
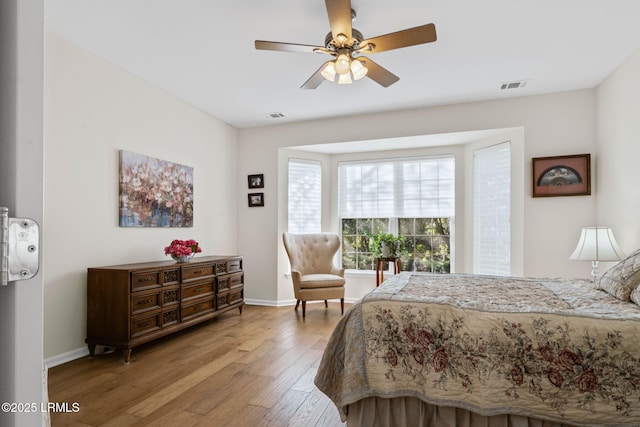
(344, 44)
(344, 79)
(343, 64)
(341, 39)
(329, 71)
(358, 70)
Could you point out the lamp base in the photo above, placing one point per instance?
(594, 270)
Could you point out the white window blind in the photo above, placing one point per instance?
(397, 188)
(492, 210)
(305, 196)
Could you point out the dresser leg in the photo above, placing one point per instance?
(126, 353)
(92, 350)
(240, 308)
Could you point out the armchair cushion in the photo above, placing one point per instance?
(321, 281)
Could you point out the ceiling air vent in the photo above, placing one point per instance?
(274, 115)
(514, 85)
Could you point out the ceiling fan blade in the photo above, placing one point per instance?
(288, 47)
(315, 80)
(404, 38)
(339, 12)
(377, 73)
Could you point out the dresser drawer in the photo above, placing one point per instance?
(145, 324)
(234, 265)
(221, 267)
(170, 296)
(222, 283)
(197, 290)
(170, 316)
(197, 309)
(196, 272)
(235, 281)
(222, 301)
(171, 276)
(236, 296)
(141, 302)
(142, 280)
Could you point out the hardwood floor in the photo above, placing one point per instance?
(254, 369)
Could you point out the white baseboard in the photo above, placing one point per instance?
(59, 359)
(269, 303)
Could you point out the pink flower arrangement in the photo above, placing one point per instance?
(182, 248)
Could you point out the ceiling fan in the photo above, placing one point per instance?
(346, 45)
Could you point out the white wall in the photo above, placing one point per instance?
(555, 124)
(618, 171)
(92, 110)
(21, 189)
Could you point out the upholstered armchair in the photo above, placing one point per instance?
(313, 273)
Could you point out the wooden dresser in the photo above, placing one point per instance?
(128, 305)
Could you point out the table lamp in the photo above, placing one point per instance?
(597, 244)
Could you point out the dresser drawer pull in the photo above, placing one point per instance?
(146, 301)
(145, 279)
(142, 325)
(200, 289)
(198, 271)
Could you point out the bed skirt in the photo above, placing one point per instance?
(411, 411)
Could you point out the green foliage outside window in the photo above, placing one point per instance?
(356, 251)
(427, 243)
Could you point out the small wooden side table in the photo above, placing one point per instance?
(380, 268)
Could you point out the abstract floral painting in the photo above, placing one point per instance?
(154, 192)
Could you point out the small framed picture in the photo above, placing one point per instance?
(561, 175)
(256, 199)
(256, 181)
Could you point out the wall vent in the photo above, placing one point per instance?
(274, 115)
(514, 85)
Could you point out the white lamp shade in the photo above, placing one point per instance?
(344, 79)
(329, 71)
(358, 70)
(343, 62)
(597, 244)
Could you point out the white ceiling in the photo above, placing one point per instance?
(202, 51)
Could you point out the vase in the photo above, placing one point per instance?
(387, 250)
(185, 258)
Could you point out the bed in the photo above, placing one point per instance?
(466, 350)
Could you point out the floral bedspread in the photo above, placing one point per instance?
(553, 349)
